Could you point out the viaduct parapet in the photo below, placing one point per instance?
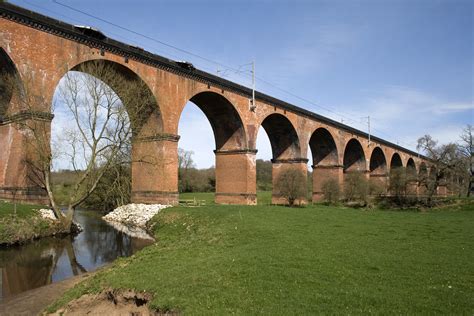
(48, 48)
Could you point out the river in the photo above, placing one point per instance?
(52, 259)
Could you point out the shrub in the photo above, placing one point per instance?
(331, 191)
(356, 187)
(291, 185)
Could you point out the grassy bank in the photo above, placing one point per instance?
(22, 225)
(276, 260)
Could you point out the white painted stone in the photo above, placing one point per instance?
(134, 214)
(133, 231)
(47, 214)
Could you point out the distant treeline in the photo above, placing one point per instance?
(204, 180)
(114, 189)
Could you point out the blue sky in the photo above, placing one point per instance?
(407, 64)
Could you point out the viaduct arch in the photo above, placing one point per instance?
(34, 44)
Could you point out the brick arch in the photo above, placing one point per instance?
(283, 136)
(323, 148)
(9, 82)
(396, 161)
(378, 162)
(148, 121)
(354, 157)
(226, 123)
(411, 166)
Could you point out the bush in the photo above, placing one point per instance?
(291, 185)
(356, 187)
(331, 191)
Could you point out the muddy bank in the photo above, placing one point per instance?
(113, 303)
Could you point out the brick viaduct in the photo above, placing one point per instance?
(49, 48)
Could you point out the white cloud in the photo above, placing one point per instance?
(402, 115)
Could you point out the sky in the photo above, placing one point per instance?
(406, 64)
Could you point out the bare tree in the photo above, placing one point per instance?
(331, 190)
(466, 148)
(356, 187)
(444, 159)
(98, 134)
(398, 183)
(291, 185)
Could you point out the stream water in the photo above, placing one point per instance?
(51, 259)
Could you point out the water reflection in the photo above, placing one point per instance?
(54, 259)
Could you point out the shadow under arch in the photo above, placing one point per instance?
(411, 167)
(326, 166)
(323, 148)
(146, 119)
(234, 161)
(354, 157)
(396, 161)
(378, 163)
(227, 126)
(9, 82)
(283, 137)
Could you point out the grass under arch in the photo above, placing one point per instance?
(277, 260)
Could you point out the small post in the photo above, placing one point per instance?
(368, 124)
(253, 106)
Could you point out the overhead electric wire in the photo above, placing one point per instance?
(233, 69)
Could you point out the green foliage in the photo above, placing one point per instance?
(331, 191)
(197, 180)
(267, 260)
(291, 185)
(112, 191)
(264, 175)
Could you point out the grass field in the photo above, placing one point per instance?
(23, 224)
(276, 260)
(263, 198)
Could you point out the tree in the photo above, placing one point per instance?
(356, 187)
(97, 136)
(331, 190)
(466, 148)
(291, 185)
(185, 162)
(444, 159)
(398, 183)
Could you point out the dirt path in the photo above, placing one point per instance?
(34, 301)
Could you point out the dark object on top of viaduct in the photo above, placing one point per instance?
(30, 42)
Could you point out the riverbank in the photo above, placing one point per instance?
(318, 259)
(24, 224)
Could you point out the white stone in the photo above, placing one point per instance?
(47, 214)
(134, 214)
(133, 231)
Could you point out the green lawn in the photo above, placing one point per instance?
(23, 224)
(263, 197)
(7, 209)
(276, 260)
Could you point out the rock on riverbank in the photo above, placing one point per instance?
(47, 214)
(134, 214)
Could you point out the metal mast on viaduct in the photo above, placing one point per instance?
(30, 42)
